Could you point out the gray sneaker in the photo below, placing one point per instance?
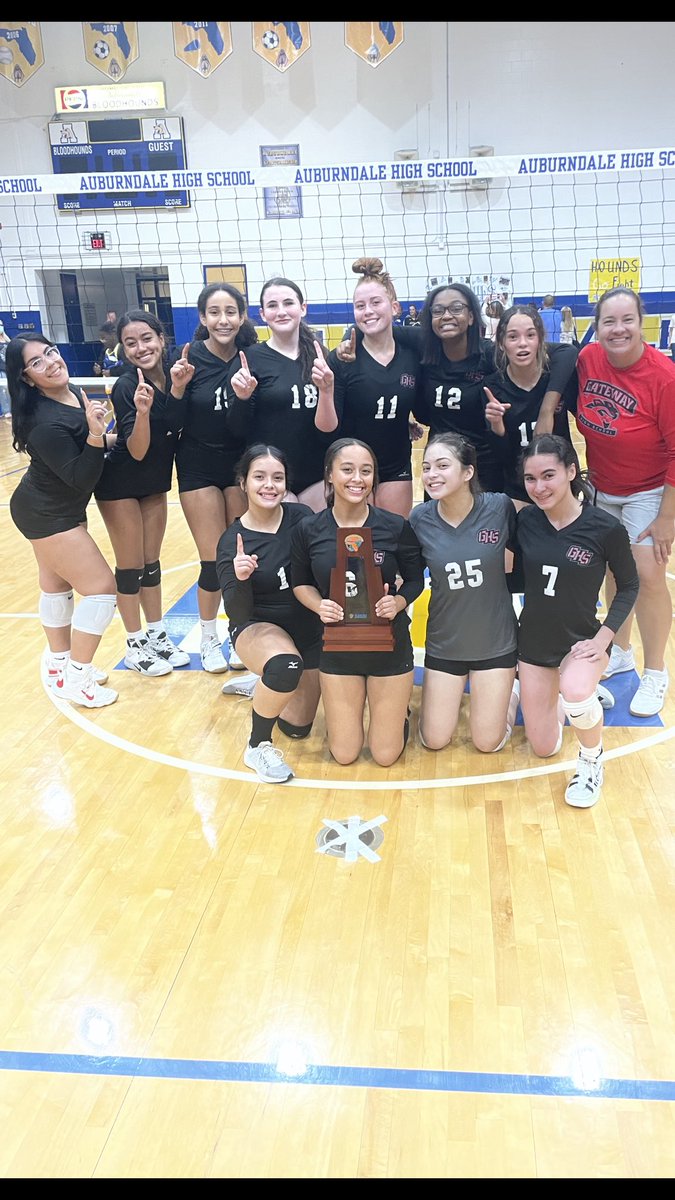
(651, 694)
(243, 686)
(268, 763)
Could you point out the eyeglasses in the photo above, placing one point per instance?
(439, 310)
(40, 364)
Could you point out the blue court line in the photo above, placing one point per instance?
(326, 1076)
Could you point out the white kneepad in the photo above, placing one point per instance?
(94, 614)
(583, 714)
(56, 609)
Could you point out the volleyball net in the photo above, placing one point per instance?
(513, 228)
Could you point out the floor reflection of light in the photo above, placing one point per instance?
(586, 1073)
(97, 1028)
(291, 1059)
(58, 805)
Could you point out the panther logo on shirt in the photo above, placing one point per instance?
(601, 416)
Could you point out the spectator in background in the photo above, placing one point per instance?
(550, 316)
(111, 358)
(412, 317)
(4, 394)
(492, 311)
(568, 326)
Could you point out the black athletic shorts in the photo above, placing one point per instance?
(457, 666)
(309, 651)
(398, 661)
(203, 466)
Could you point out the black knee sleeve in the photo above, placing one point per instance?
(128, 580)
(294, 731)
(152, 575)
(208, 576)
(283, 672)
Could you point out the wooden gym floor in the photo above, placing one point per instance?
(483, 986)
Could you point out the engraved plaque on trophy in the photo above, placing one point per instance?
(356, 585)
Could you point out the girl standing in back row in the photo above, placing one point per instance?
(132, 491)
(210, 446)
(64, 435)
(284, 391)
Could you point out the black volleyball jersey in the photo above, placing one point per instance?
(561, 571)
(520, 420)
(208, 401)
(125, 477)
(281, 413)
(63, 470)
(376, 402)
(267, 595)
(396, 551)
(451, 399)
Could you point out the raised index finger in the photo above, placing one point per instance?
(317, 348)
(186, 347)
(240, 544)
(352, 339)
(244, 364)
(140, 376)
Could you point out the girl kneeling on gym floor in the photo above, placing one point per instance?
(348, 678)
(274, 635)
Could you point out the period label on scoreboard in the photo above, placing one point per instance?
(143, 149)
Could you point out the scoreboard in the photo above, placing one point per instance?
(133, 147)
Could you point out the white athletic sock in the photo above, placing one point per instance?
(156, 627)
(209, 629)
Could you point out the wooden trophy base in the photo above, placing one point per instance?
(350, 637)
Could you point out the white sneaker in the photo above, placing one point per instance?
(233, 660)
(213, 659)
(583, 790)
(651, 694)
(51, 669)
(83, 689)
(163, 647)
(141, 657)
(605, 696)
(243, 686)
(619, 661)
(268, 763)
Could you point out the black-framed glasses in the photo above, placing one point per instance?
(41, 363)
(439, 310)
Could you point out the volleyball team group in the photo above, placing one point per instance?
(279, 444)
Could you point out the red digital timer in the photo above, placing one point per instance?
(97, 241)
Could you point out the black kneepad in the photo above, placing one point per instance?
(128, 580)
(283, 672)
(208, 577)
(152, 575)
(294, 731)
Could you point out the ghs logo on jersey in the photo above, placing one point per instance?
(488, 537)
(579, 555)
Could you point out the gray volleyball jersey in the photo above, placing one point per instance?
(471, 615)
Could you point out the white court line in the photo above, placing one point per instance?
(78, 718)
(169, 760)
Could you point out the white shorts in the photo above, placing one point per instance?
(636, 512)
